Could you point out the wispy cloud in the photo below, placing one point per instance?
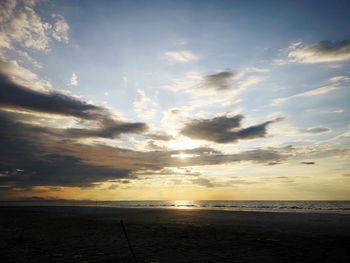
(310, 93)
(183, 56)
(204, 182)
(334, 84)
(26, 56)
(315, 130)
(218, 84)
(74, 79)
(144, 106)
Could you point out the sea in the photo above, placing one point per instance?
(338, 207)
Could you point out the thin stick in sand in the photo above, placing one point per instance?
(127, 239)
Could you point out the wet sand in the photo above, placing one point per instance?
(89, 234)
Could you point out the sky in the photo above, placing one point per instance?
(174, 100)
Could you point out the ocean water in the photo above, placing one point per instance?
(342, 207)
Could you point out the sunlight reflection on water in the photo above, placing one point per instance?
(184, 204)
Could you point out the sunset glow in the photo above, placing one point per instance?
(173, 100)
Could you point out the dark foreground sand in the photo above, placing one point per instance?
(88, 234)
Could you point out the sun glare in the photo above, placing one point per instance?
(183, 143)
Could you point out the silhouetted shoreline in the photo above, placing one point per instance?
(94, 234)
(300, 206)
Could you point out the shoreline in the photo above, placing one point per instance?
(194, 205)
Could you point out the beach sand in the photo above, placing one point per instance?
(89, 234)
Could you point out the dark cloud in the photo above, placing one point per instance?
(53, 170)
(220, 84)
(159, 136)
(220, 81)
(109, 129)
(273, 163)
(325, 51)
(16, 96)
(157, 160)
(336, 48)
(315, 130)
(34, 156)
(30, 157)
(224, 129)
(308, 163)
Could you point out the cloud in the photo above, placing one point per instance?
(68, 169)
(338, 79)
(219, 84)
(109, 128)
(20, 23)
(18, 97)
(35, 154)
(272, 163)
(74, 80)
(144, 106)
(334, 84)
(153, 145)
(5, 42)
(220, 81)
(30, 158)
(21, 75)
(170, 171)
(183, 56)
(257, 70)
(209, 183)
(27, 28)
(323, 52)
(117, 157)
(310, 93)
(224, 129)
(159, 136)
(202, 182)
(32, 155)
(209, 90)
(27, 57)
(314, 130)
(53, 170)
(60, 29)
(308, 163)
(6, 10)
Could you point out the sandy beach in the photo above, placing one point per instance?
(89, 234)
